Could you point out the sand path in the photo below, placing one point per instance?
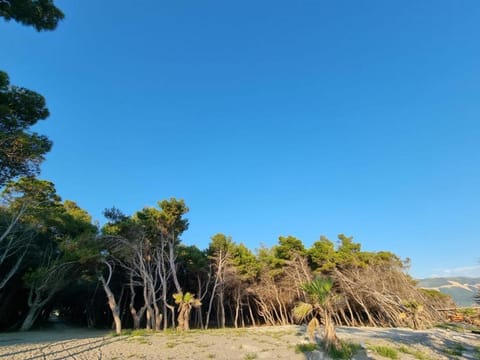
(253, 343)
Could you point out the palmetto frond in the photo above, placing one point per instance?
(196, 303)
(187, 299)
(302, 310)
(319, 289)
(178, 297)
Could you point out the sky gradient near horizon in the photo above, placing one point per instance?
(270, 118)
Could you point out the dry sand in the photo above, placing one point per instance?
(253, 343)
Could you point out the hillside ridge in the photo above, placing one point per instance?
(462, 289)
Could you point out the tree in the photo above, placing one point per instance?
(21, 150)
(246, 269)
(22, 200)
(112, 303)
(322, 255)
(41, 14)
(220, 251)
(194, 266)
(171, 224)
(129, 244)
(288, 247)
(186, 302)
(15, 238)
(146, 246)
(56, 229)
(320, 296)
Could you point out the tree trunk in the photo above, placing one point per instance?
(212, 297)
(13, 270)
(164, 306)
(251, 314)
(172, 309)
(158, 317)
(221, 308)
(32, 315)
(237, 308)
(112, 304)
(35, 304)
(135, 317)
(198, 312)
(149, 318)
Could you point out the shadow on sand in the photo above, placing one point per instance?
(55, 344)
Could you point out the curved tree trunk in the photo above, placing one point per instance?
(113, 306)
(111, 300)
(32, 315)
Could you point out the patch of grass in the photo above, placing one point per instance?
(344, 351)
(468, 311)
(211, 356)
(277, 334)
(415, 353)
(250, 356)
(142, 341)
(476, 352)
(450, 326)
(303, 348)
(455, 350)
(170, 344)
(140, 332)
(385, 351)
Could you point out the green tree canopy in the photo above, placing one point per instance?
(322, 255)
(21, 150)
(171, 220)
(220, 243)
(288, 246)
(41, 14)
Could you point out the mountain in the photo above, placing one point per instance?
(461, 289)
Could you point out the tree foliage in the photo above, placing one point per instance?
(56, 240)
(41, 14)
(21, 150)
(151, 279)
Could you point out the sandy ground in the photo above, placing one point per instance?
(253, 343)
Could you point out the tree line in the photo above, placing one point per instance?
(135, 271)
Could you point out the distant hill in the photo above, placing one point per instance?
(461, 289)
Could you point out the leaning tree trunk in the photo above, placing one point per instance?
(35, 306)
(111, 300)
(113, 306)
(32, 315)
(36, 302)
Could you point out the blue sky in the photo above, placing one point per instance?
(270, 118)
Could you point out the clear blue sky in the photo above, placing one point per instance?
(270, 118)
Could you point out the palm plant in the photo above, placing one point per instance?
(185, 303)
(319, 306)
